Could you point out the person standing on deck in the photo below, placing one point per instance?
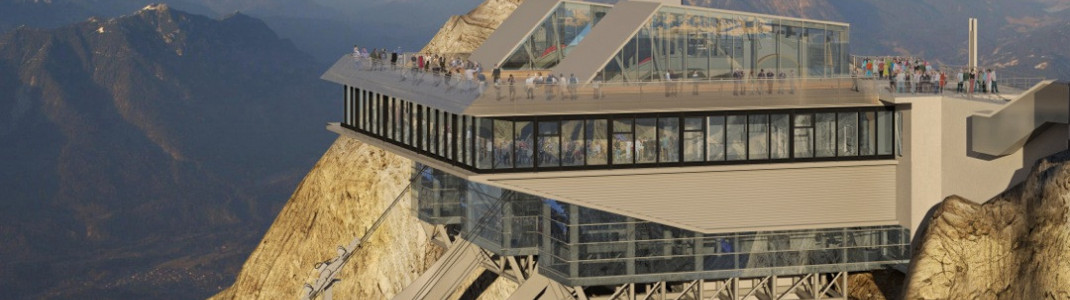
(694, 82)
(959, 77)
(995, 85)
(988, 81)
(512, 87)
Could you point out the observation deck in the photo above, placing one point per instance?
(458, 95)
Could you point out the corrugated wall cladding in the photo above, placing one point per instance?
(737, 200)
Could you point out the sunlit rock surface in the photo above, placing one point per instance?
(341, 197)
(1014, 246)
(463, 34)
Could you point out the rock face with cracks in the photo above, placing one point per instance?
(341, 197)
(1015, 246)
(464, 33)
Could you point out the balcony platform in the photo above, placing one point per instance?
(460, 96)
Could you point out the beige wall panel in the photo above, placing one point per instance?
(726, 201)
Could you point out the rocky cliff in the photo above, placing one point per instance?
(1015, 246)
(341, 197)
(464, 33)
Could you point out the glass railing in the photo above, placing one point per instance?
(711, 254)
(457, 79)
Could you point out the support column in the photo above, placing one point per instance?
(972, 63)
(573, 240)
(629, 253)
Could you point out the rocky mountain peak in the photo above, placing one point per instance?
(156, 136)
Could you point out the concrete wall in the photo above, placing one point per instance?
(938, 161)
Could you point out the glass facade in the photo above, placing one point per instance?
(438, 197)
(583, 246)
(577, 245)
(549, 143)
(555, 37)
(502, 221)
(692, 43)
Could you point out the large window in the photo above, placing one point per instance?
(572, 148)
(646, 141)
(597, 142)
(825, 137)
(629, 141)
(758, 137)
(623, 142)
(668, 140)
(693, 140)
(503, 144)
(847, 139)
(525, 149)
(715, 138)
(867, 133)
(779, 138)
(549, 144)
(485, 143)
(804, 136)
(736, 137)
(885, 133)
(696, 43)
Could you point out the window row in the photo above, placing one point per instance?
(610, 141)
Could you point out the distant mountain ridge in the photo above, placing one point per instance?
(143, 155)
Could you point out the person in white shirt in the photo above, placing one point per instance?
(668, 83)
(900, 81)
(958, 89)
(529, 84)
(995, 86)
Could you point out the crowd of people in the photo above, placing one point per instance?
(915, 75)
(469, 75)
(764, 82)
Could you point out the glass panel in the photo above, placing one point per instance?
(804, 136)
(524, 144)
(447, 134)
(847, 134)
(868, 133)
(623, 142)
(885, 133)
(485, 143)
(556, 36)
(503, 144)
(424, 123)
(669, 140)
(736, 137)
(572, 140)
(715, 138)
(549, 144)
(825, 139)
(779, 136)
(403, 121)
(693, 140)
(434, 131)
(758, 137)
(597, 147)
(375, 114)
(646, 145)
